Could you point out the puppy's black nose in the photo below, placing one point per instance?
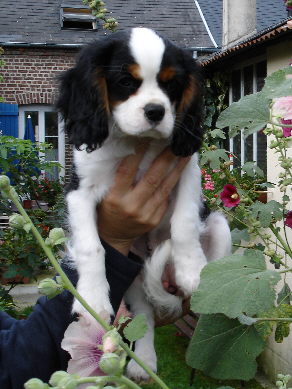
(154, 112)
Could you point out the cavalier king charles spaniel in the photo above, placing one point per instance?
(125, 87)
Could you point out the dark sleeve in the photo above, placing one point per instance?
(32, 347)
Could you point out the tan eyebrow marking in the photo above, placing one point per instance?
(167, 74)
(134, 70)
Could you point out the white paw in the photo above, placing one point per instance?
(137, 373)
(188, 269)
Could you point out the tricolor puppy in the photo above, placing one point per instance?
(128, 86)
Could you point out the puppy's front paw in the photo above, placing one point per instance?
(137, 373)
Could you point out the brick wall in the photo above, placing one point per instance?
(30, 77)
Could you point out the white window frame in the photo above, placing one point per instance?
(40, 136)
(244, 64)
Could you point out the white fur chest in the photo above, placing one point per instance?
(96, 170)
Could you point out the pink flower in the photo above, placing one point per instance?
(81, 340)
(209, 185)
(288, 220)
(286, 130)
(282, 107)
(229, 196)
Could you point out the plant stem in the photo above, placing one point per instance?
(106, 379)
(70, 287)
(281, 240)
(286, 270)
(286, 319)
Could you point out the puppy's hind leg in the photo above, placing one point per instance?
(144, 347)
(216, 238)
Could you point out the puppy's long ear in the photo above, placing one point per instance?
(188, 133)
(83, 99)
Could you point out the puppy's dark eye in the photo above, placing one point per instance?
(127, 82)
(170, 85)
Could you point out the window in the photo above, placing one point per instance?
(77, 17)
(244, 81)
(47, 128)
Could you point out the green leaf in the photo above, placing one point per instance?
(224, 349)
(251, 169)
(218, 134)
(214, 157)
(251, 112)
(266, 212)
(277, 84)
(239, 235)
(137, 328)
(236, 284)
(284, 296)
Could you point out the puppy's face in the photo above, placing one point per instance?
(140, 82)
(141, 91)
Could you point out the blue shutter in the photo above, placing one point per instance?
(9, 119)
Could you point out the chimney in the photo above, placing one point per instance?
(239, 21)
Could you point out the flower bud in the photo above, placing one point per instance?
(111, 341)
(110, 364)
(56, 236)
(49, 288)
(57, 377)
(34, 383)
(68, 383)
(4, 183)
(17, 221)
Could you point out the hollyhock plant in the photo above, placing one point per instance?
(229, 196)
(288, 219)
(81, 340)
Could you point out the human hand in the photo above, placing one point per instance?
(132, 209)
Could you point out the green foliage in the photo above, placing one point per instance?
(214, 158)
(267, 213)
(235, 285)
(224, 349)
(24, 161)
(136, 329)
(99, 11)
(20, 256)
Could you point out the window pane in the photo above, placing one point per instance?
(51, 136)
(248, 148)
(51, 124)
(248, 80)
(237, 150)
(235, 82)
(261, 74)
